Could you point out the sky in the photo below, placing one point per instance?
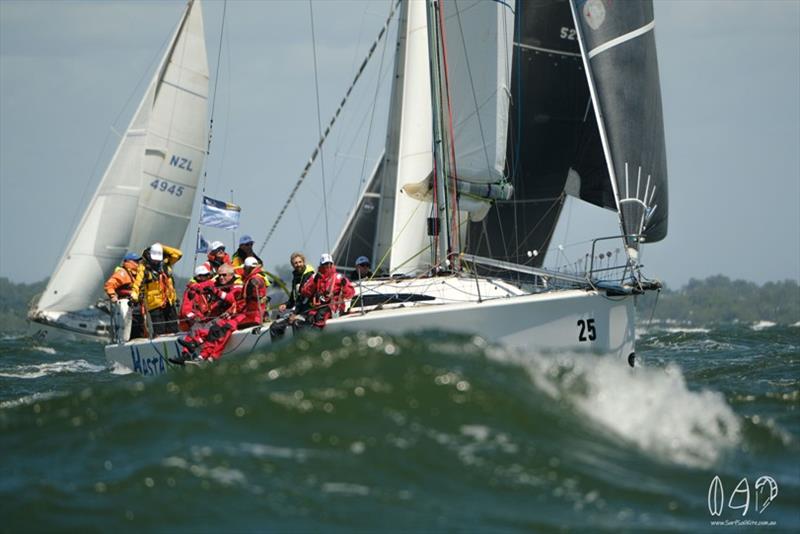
(72, 73)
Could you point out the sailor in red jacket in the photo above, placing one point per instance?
(253, 297)
(224, 296)
(217, 256)
(328, 290)
(195, 305)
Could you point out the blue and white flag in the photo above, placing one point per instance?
(202, 244)
(219, 214)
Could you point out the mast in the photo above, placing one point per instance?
(440, 223)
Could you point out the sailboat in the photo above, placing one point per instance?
(147, 192)
(487, 136)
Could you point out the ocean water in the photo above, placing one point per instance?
(431, 432)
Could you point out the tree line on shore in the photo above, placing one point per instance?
(714, 300)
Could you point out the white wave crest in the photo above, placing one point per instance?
(650, 407)
(47, 369)
(119, 369)
(46, 350)
(29, 399)
(762, 325)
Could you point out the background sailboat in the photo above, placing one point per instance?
(147, 191)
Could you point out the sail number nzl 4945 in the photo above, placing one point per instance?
(167, 187)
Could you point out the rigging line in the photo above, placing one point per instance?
(555, 203)
(319, 128)
(369, 132)
(327, 130)
(517, 132)
(211, 122)
(216, 74)
(454, 239)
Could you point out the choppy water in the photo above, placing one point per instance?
(428, 432)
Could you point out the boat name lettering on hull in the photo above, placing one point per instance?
(147, 366)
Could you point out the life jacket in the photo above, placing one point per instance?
(195, 305)
(223, 298)
(296, 300)
(238, 268)
(121, 281)
(327, 290)
(253, 298)
(239, 257)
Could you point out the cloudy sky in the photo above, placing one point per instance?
(71, 74)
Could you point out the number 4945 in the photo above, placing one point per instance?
(166, 187)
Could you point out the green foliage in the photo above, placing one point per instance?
(14, 302)
(718, 299)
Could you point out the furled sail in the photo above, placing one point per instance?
(553, 142)
(170, 119)
(478, 40)
(619, 49)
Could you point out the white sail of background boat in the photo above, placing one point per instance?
(147, 192)
(456, 211)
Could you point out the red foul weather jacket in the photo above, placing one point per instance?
(327, 291)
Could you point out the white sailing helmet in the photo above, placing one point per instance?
(156, 252)
(325, 258)
(201, 270)
(251, 262)
(216, 245)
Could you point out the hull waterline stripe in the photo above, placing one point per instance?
(622, 38)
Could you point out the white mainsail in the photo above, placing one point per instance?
(170, 119)
(409, 141)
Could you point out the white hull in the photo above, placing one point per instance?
(45, 333)
(558, 321)
(85, 325)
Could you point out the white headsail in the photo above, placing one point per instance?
(170, 120)
(387, 224)
(409, 144)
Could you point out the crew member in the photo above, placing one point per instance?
(253, 301)
(225, 297)
(155, 286)
(118, 286)
(363, 271)
(328, 291)
(300, 275)
(216, 256)
(195, 305)
(297, 305)
(244, 251)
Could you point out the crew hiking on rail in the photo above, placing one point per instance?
(226, 294)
